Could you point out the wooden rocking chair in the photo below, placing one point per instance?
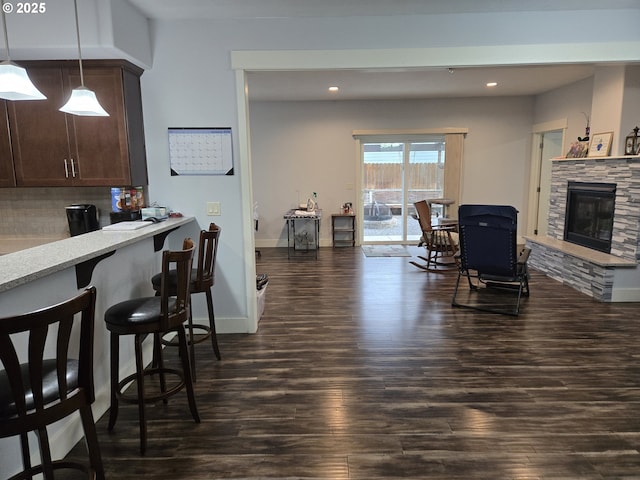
(439, 241)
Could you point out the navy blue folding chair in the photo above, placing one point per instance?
(490, 260)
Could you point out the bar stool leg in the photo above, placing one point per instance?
(158, 363)
(115, 360)
(212, 323)
(192, 345)
(186, 368)
(91, 439)
(140, 382)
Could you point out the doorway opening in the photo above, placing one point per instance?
(547, 145)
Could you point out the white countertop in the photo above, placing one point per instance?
(30, 264)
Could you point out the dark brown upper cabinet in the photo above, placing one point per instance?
(52, 148)
(7, 174)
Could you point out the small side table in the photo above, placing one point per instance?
(294, 215)
(445, 202)
(343, 229)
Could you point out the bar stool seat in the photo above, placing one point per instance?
(154, 316)
(39, 393)
(202, 279)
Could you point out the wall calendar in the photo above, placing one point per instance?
(200, 151)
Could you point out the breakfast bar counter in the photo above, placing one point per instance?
(27, 265)
(119, 264)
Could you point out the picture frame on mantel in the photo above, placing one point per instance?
(578, 150)
(600, 145)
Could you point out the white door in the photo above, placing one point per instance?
(551, 146)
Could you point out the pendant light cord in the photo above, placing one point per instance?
(75, 6)
(4, 27)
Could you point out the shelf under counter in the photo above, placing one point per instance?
(24, 266)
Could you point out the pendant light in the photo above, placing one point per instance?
(83, 102)
(15, 84)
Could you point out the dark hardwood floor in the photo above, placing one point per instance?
(361, 369)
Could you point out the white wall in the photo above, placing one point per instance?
(567, 102)
(302, 147)
(630, 106)
(608, 95)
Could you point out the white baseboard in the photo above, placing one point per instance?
(228, 325)
(625, 295)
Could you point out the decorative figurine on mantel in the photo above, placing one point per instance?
(632, 143)
(580, 149)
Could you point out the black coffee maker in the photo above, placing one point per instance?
(82, 218)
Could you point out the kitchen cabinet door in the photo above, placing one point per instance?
(39, 133)
(99, 144)
(7, 174)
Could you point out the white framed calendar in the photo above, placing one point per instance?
(200, 151)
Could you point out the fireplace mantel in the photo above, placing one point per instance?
(595, 159)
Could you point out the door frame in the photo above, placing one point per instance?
(538, 130)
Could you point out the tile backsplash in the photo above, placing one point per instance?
(40, 211)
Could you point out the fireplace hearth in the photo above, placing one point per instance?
(589, 214)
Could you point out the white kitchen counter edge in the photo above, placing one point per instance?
(24, 266)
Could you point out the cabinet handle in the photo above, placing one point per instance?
(66, 169)
(73, 168)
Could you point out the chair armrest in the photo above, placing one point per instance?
(524, 256)
(451, 228)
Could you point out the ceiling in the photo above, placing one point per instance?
(412, 84)
(389, 84)
(227, 9)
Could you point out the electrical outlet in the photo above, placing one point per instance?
(213, 208)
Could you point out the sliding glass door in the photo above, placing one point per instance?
(394, 175)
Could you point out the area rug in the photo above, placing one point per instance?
(385, 251)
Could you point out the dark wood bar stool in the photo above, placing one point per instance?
(202, 280)
(155, 316)
(36, 394)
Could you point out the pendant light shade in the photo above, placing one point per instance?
(82, 102)
(15, 84)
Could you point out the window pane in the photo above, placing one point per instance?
(382, 185)
(426, 176)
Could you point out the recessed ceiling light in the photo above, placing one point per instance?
(492, 84)
(334, 89)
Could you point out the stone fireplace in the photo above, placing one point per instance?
(606, 276)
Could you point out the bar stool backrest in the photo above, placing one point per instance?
(207, 253)
(32, 394)
(48, 384)
(175, 299)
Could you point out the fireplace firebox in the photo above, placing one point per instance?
(589, 214)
